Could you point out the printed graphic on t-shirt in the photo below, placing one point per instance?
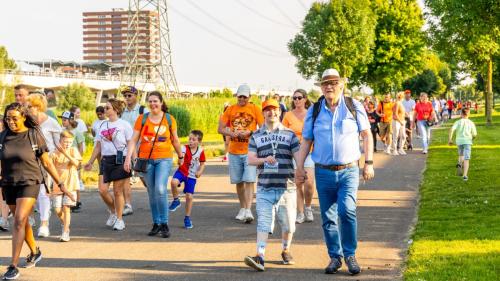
(149, 134)
(241, 122)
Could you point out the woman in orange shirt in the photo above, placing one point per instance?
(156, 132)
(294, 120)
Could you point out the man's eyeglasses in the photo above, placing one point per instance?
(128, 96)
(242, 97)
(330, 83)
(298, 98)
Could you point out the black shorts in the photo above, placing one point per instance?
(11, 193)
(112, 171)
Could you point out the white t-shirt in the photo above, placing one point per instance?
(51, 132)
(97, 125)
(409, 106)
(114, 135)
(81, 126)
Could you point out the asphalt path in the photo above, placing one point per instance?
(214, 249)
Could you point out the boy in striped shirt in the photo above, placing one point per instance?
(272, 149)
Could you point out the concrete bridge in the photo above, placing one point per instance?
(104, 85)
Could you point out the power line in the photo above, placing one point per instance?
(220, 36)
(263, 16)
(284, 14)
(234, 31)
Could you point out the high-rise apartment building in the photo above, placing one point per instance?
(105, 36)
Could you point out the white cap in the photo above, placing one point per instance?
(243, 90)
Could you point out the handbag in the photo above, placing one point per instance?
(141, 164)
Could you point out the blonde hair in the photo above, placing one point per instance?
(66, 134)
(400, 95)
(39, 101)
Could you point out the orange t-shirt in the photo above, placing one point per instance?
(163, 147)
(240, 118)
(295, 124)
(387, 111)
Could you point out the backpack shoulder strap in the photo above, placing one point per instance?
(144, 118)
(316, 110)
(3, 134)
(169, 121)
(350, 105)
(141, 109)
(33, 139)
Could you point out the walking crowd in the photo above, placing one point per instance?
(285, 153)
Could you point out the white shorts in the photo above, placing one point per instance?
(62, 200)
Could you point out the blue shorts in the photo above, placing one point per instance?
(465, 151)
(189, 183)
(239, 170)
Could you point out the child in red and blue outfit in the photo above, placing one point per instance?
(191, 167)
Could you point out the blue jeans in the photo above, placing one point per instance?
(425, 133)
(156, 180)
(337, 199)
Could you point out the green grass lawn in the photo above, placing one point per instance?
(457, 236)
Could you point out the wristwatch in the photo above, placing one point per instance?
(60, 185)
(369, 162)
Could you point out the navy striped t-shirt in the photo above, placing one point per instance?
(286, 144)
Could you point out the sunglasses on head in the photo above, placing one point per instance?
(297, 98)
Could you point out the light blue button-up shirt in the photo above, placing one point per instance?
(336, 134)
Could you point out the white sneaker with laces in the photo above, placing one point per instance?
(401, 152)
(387, 151)
(64, 237)
(43, 231)
(128, 210)
(119, 225)
(241, 215)
(248, 215)
(4, 224)
(111, 220)
(395, 153)
(309, 214)
(300, 218)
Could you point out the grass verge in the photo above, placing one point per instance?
(457, 236)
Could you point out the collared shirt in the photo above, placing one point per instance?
(282, 143)
(131, 115)
(336, 134)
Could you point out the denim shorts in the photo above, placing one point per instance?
(189, 183)
(60, 200)
(465, 151)
(276, 201)
(239, 170)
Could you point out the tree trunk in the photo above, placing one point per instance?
(489, 93)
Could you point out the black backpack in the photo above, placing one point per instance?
(317, 108)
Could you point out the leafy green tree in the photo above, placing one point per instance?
(76, 94)
(435, 79)
(426, 81)
(338, 34)
(5, 61)
(468, 31)
(225, 93)
(399, 44)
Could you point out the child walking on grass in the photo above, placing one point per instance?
(466, 131)
(191, 167)
(66, 159)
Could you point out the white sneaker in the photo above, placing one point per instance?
(424, 151)
(300, 218)
(119, 225)
(4, 224)
(248, 216)
(241, 215)
(309, 214)
(128, 210)
(387, 151)
(64, 237)
(111, 220)
(43, 231)
(395, 153)
(401, 152)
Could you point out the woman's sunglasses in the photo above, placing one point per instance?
(298, 98)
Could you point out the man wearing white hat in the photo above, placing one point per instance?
(238, 122)
(334, 124)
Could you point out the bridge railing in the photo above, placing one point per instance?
(89, 76)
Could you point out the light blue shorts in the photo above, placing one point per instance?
(239, 170)
(465, 151)
(276, 202)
